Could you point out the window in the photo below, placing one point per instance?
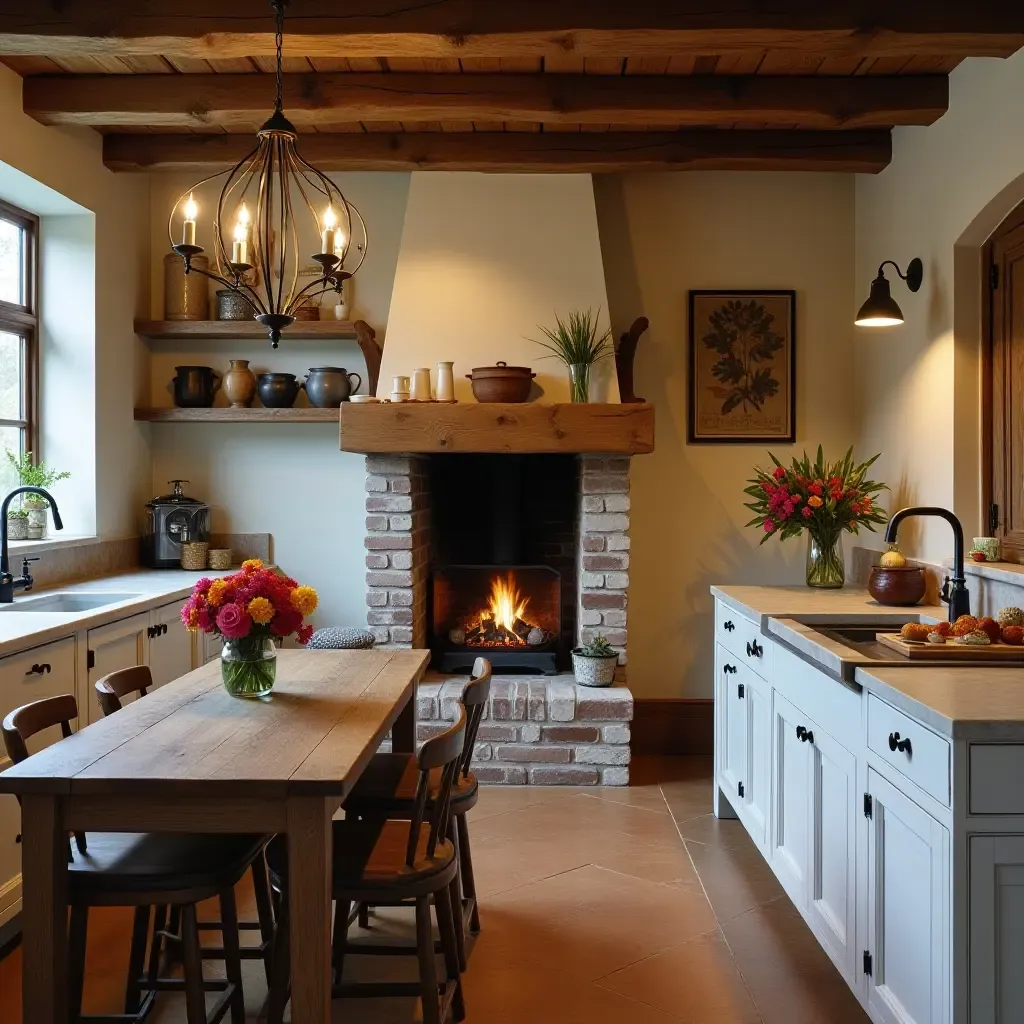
(19, 336)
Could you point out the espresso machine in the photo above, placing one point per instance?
(172, 520)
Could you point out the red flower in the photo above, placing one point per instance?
(835, 481)
(233, 621)
(769, 526)
(304, 634)
(807, 512)
(285, 622)
(779, 474)
(815, 488)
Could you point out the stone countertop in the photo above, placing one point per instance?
(149, 588)
(977, 702)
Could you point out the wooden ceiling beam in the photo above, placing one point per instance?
(315, 100)
(866, 151)
(470, 28)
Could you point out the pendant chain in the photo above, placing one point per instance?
(279, 6)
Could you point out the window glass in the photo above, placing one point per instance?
(10, 438)
(11, 375)
(12, 262)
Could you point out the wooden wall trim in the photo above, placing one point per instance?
(672, 726)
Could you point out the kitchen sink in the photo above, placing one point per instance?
(860, 633)
(64, 603)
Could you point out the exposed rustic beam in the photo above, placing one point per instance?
(313, 100)
(594, 152)
(472, 28)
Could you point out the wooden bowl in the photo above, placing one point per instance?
(896, 586)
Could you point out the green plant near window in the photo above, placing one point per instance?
(34, 474)
(576, 342)
(17, 513)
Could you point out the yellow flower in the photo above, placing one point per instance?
(814, 501)
(252, 565)
(215, 595)
(261, 610)
(304, 600)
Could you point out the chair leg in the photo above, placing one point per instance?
(264, 908)
(136, 960)
(342, 910)
(76, 958)
(455, 896)
(428, 968)
(280, 976)
(232, 954)
(156, 943)
(192, 961)
(364, 915)
(447, 927)
(466, 871)
(172, 950)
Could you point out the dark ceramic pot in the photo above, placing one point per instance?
(278, 390)
(501, 383)
(904, 586)
(195, 386)
(328, 386)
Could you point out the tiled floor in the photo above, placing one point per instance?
(593, 911)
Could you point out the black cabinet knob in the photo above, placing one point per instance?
(729, 670)
(754, 650)
(729, 626)
(800, 730)
(804, 735)
(38, 670)
(897, 744)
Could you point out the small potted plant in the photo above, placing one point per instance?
(594, 663)
(576, 342)
(17, 524)
(34, 474)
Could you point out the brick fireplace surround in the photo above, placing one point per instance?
(539, 730)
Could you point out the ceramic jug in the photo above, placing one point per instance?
(239, 384)
(195, 386)
(421, 385)
(445, 382)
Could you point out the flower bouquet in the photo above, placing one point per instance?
(824, 499)
(250, 610)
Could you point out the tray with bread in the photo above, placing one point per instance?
(971, 638)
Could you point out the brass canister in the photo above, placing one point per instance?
(186, 296)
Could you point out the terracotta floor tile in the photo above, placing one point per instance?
(735, 879)
(717, 832)
(697, 982)
(503, 799)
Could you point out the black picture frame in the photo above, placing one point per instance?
(694, 434)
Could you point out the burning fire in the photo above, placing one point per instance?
(506, 607)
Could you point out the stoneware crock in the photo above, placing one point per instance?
(328, 386)
(501, 383)
(905, 586)
(278, 390)
(195, 386)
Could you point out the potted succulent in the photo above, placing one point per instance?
(34, 474)
(17, 524)
(576, 342)
(594, 663)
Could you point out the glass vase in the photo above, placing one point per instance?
(579, 381)
(825, 567)
(248, 666)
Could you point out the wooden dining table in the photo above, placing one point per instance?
(189, 757)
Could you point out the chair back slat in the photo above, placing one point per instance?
(474, 697)
(111, 688)
(444, 752)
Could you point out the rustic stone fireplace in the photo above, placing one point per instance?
(517, 556)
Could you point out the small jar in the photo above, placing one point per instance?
(186, 296)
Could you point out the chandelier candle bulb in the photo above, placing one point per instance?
(240, 248)
(191, 211)
(327, 237)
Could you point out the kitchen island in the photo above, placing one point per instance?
(886, 798)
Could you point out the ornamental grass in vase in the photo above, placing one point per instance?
(250, 610)
(576, 343)
(823, 500)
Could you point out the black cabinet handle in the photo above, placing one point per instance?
(729, 626)
(740, 691)
(739, 789)
(903, 746)
(38, 670)
(151, 631)
(754, 650)
(804, 735)
(808, 736)
(800, 730)
(729, 670)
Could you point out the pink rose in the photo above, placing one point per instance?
(233, 621)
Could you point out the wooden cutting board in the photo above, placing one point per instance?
(950, 651)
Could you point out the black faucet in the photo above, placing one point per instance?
(9, 583)
(954, 589)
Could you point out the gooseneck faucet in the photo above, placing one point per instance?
(954, 589)
(9, 583)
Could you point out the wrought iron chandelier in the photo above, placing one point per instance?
(262, 260)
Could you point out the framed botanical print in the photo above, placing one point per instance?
(742, 348)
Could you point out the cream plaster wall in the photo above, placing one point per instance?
(484, 259)
(661, 235)
(69, 162)
(947, 189)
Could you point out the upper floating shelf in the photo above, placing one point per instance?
(244, 330)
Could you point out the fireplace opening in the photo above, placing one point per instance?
(503, 561)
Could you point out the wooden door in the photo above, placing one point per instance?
(1003, 404)
(120, 644)
(997, 929)
(790, 822)
(908, 974)
(170, 644)
(732, 726)
(832, 874)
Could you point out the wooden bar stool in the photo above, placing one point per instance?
(391, 863)
(387, 789)
(122, 869)
(137, 680)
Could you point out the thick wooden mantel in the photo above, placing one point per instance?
(415, 428)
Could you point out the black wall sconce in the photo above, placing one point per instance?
(881, 309)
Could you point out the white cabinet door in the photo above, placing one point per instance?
(732, 726)
(908, 910)
(170, 644)
(996, 929)
(120, 644)
(790, 822)
(832, 874)
(209, 647)
(757, 783)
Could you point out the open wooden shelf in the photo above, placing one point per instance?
(226, 415)
(242, 330)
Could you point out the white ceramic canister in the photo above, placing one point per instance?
(445, 382)
(399, 396)
(400, 384)
(421, 385)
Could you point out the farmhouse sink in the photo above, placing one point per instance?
(66, 603)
